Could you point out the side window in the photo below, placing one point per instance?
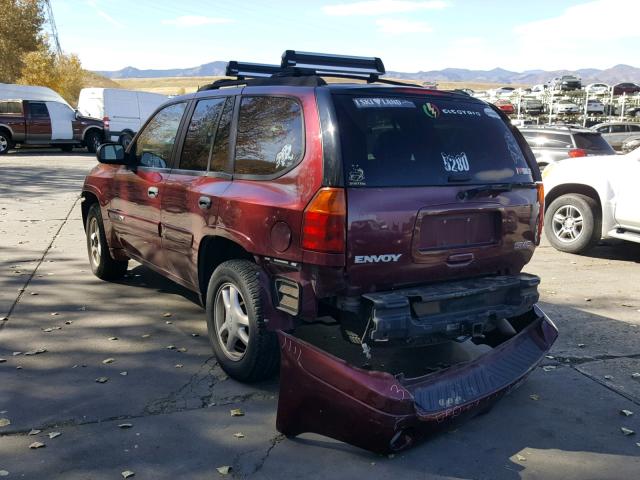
(198, 142)
(270, 135)
(155, 143)
(220, 153)
(549, 140)
(617, 128)
(604, 129)
(38, 110)
(10, 107)
(634, 128)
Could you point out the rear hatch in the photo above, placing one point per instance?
(437, 188)
(593, 143)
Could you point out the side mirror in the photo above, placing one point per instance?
(111, 153)
(77, 114)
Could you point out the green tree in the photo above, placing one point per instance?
(21, 24)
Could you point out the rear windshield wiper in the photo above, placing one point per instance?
(493, 189)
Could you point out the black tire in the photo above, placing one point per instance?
(103, 265)
(6, 142)
(92, 140)
(261, 355)
(590, 232)
(66, 148)
(125, 140)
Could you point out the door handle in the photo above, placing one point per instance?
(152, 192)
(204, 202)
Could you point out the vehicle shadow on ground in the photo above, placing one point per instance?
(58, 387)
(613, 250)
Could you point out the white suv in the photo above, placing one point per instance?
(591, 198)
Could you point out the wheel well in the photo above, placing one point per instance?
(568, 188)
(212, 252)
(89, 199)
(91, 130)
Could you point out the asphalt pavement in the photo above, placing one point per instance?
(163, 408)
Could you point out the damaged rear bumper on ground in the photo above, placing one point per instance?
(383, 413)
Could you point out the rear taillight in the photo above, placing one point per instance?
(540, 220)
(105, 122)
(577, 152)
(323, 228)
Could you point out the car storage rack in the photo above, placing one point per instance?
(304, 69)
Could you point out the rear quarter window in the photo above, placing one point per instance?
(421, 141)
(270, 135)
(10, 108)
(592, 141)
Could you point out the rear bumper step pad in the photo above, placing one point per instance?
(376, 411)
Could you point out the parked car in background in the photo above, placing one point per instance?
(501, 92)
(630, 144)
(284, 199)
(626, 87)
(632, 112)
(538, 90)
(551, 144)
(595, 106)
(38, 116)
(615, 133)
(505, 105)
(566, 83)
(532, 106)
(565, 107)
(122, 111)
(597, 88)
(594, 198)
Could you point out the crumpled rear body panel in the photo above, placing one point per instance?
(376, 411)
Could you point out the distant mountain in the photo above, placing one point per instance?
(619, 73)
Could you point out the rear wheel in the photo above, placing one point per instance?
(92, 140)
(6, 143)
(572, 223)
(102, 265)
(244, 347)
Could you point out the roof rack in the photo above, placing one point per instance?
(304, 68)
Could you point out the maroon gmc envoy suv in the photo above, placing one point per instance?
(403, 214)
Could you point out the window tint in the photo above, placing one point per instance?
(39, 110)
(155, 143)
(198, 141)
(617, 129)
(10, 107)
(269, 135)
(604, 129)
(634, 128)
(220, 154)
(548, 140)
(417, 141)
(593, 142)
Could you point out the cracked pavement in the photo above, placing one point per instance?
(564, 422)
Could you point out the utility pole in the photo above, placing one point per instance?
(52, 25)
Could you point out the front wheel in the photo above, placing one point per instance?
(245, 349)
(102, 265)
(573, 223)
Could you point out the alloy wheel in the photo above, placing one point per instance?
(232, 321)
(567, 223)
(94, 241)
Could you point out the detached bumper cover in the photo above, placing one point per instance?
(376, 411)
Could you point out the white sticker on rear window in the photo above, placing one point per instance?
(356, 176)
(459, 111)
(370, 102)
(455, 162)
(284, 158)
(514, 149)
(490, 112)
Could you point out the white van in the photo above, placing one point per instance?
(122, 111)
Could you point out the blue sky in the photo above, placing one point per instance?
(408, 35)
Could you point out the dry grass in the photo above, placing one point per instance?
(182, 85)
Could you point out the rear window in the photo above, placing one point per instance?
(592, 141)
(421, 141)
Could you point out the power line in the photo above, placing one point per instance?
(52, 25)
